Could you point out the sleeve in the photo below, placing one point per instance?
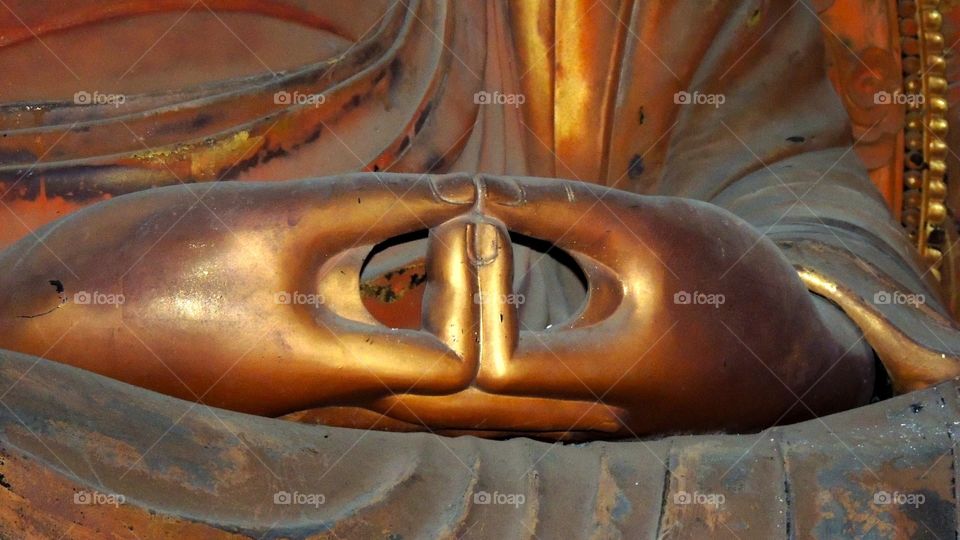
(764, 135)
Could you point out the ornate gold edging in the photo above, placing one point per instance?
(925, 166)
(910, 364)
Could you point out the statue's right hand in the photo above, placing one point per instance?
(224, 292)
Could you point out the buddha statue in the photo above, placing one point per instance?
(568, 221)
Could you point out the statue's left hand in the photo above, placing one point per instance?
(693, 317)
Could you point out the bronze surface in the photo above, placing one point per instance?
(629, 221)
(270, 292)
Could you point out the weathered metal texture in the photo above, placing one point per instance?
(189, 471)
(840, 470)
(58, 156)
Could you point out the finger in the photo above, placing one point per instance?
(610, 226)
(470, 272)
(367, 208)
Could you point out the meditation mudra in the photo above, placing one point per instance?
(490, 218)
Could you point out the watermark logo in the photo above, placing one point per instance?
(897, 98)
(514, 299)
(511, 499)
(886, 298)
(499, 98)
(97, 498)
(296, 98)
(97, 298)
(96, 98)
(297, 298)
(699, 98)
(696, 298)
(707, 499)
(297, 498)
(903, 499)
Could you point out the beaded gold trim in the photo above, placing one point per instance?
(925, 166)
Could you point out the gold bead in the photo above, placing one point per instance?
(913, 179)
(936, 64)
(932, 20)
(914, 141)
(912, 84)
(938, 126)
(936, 213)
(936, 149)
(937, 189)
(933, 41)
(937, 105)
(937, 167)
(936, 84)
(914, 121)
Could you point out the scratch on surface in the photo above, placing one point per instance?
(58, 285)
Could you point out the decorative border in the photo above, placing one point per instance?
(925, 129)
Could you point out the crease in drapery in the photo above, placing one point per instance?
(782, 132)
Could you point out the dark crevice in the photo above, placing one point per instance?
(435, 163)
(787, 488)
(58, 286)
(49, 311)
(422, 119)
(667, 476)
(883, 385)
(635, 168)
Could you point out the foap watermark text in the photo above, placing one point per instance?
(499, 98)
(297, 98)
(697, 298)
(515, 500)
(97, 98)
(699, 98)
(300, 499)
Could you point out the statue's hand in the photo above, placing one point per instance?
(247, 297)
(228, 292)
(693, 318)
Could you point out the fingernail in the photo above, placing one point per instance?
(454, 189)
(483, 242)
(502, 190)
